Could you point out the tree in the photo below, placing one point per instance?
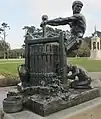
(17, 53)
(7, 45)
(87, 39)
(7, 48)
(3, 34)
(84, 50)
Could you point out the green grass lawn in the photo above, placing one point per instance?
(10, 66)
(89, 65)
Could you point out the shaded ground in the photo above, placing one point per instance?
(3, 93)
(95, 75)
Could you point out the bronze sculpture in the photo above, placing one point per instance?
(76, 22)
(44, 85)
(83, 81)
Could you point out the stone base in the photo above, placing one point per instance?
(87, 110)
(46, 106)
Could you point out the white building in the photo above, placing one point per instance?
(95, 53)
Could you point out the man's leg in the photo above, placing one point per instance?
(72, 44)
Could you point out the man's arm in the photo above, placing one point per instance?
(74, 74)
(59, 21)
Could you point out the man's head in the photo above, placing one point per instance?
(69, 67)
(77, 6)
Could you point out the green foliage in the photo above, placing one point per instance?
(4, 46)
(9, 80)
(84, 50)
(16, 53)
(88, 41)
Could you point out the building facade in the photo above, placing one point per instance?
(95, 52)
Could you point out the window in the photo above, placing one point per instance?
(98, 45)
(94, 45)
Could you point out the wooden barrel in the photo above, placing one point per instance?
(12, 104)
(43, 62)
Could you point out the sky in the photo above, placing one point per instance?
(20, 13)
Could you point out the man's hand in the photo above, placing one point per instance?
(43, 23)
(44, 20)
(71, 77)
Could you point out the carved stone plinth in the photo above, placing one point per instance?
(45, 106)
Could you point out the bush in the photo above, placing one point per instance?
(9, 80)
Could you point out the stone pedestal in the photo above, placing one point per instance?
(88, 110)
(45, 106)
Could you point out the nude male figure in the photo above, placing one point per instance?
(76, 22)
